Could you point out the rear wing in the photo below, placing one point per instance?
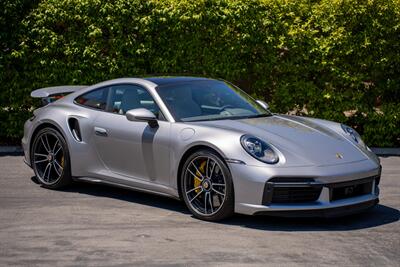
(51, 94)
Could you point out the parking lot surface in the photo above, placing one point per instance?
(94, 225)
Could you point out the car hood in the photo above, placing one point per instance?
(302, 141)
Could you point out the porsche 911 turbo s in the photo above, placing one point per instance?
(201, 140)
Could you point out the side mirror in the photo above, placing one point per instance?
(142, 114)
(263, 104)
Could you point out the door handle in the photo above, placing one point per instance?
(100, 131)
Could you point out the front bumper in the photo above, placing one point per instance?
(325, 212)
(330, 186)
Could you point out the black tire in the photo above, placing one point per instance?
(226, 209)
(53, 177)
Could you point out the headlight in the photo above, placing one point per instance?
(354, 135)
(259, 149)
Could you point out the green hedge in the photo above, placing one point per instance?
(317, 58)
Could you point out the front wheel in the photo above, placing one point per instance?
(50, 159)
(207, 186)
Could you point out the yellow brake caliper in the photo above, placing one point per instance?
(199, 173)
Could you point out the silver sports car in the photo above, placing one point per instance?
(201, 140)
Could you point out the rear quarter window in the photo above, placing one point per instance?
(94, 99)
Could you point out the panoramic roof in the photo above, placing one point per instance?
(164, 80)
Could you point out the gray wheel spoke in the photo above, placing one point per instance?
(212, 170)
(40, 155)
(218, 184)
(205, 202)
(54, 147)
(194, 175)
(58, 164)
(211, 205)
(42, 160)
(47, 141)
(196, 196)
(202, 177)
(58, 150)
(191, 190)
(48, 173)
(216, 191)
(44, 145)
(208, 159)
(45, 170)
(57, 171)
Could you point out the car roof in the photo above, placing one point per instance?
(167, 80)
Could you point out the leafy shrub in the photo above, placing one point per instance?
(318, 58)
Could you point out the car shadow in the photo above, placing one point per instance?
(377, 216)
(132, 196)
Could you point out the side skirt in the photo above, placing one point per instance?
(120, 185)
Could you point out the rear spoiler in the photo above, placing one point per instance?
(51, 94)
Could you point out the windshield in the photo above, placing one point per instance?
(209, 100)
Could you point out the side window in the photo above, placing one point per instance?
(127, 97)
(95, 99)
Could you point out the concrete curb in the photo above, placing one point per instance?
(393, 151)
(10, 150)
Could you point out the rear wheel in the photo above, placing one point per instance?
(207, 186)
(50, 159)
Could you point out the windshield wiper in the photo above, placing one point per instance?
(255, 116)
(233, 117)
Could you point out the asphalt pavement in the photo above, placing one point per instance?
(94, 225)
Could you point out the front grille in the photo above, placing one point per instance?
(285, 190)
(295, 194)
(351, 190)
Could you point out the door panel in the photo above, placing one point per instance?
(134, 149)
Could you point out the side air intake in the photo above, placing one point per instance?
(74, 128)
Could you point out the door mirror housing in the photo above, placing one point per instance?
(142, 114)
(263, 104)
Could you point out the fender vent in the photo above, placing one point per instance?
(74, 128)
